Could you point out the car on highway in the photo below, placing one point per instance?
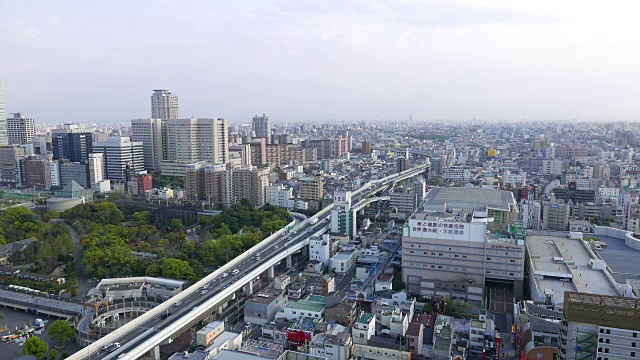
(235, 271)
(204, 292)
(107, 346)
(165, 315)
(225, 274)
(276, 246)
(113, 347)
(565, 279)
(177, 303)
(206, 286)
(257, 258)
(121, 356)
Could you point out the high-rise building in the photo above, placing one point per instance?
(261, 126)
(311, 189)
(366, 147)
(96, 168)
(209, 183)
(251, 184)
(20, 129)
(122, 157)
(4, 140)
(73, 142)
(343, 219)
(10, 157)
(402, 164)
(164, 105)
(198, 139)
(152, 134)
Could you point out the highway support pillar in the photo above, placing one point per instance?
(154, 353)
(250, 288)
(289, 262)
(271, 274)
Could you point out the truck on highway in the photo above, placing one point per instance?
(313, 221)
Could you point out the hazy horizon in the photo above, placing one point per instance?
(321, 60)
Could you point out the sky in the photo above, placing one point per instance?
(324, 60)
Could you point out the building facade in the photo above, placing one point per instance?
(261, 126)
(164, 105)
(198, 139)
(73, 142)
(20, 129)
(152, 134)
(122, 157)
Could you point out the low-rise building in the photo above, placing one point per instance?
(332, 347)
(263, 306)
(364, 328)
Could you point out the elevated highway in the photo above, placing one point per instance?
(144, 334)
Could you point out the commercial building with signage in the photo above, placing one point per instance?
(453, 253)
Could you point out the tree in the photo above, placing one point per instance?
(397, 282)
(53, 354)
(142, 217)
(428, 308)
(177, 269)
(35, 346)
(61, 331)
(175, 224)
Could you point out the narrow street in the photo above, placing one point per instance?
(83, 281)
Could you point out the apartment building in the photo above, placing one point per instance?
(197, 139)
(250, 184)
(164, 105)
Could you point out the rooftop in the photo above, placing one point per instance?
(306, 305)
(444, 199)
(265, 296)
(364, 318)
(555, 258)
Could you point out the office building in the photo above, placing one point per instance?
(250, 184)
(73, 142)
(198, 139)
(122, 157)
(75, 171)
(54, 169)
(598, 326)
(152, 134)
(20, 129)
(4, 140)
(551, 167)
(447, 250)
(404, 200)
(37, 173)
(164, 105)
(96, 168)
(261, 126)
(10, 157)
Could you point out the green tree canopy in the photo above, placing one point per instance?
(61, 331)
(177, 269)
(35, 346)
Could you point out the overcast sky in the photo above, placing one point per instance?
(322, 60)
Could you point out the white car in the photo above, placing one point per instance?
(122, 355)
(177, 303)
(204, 292)
(549, 242)
(565, 279)
(225, 274)
(235, 271)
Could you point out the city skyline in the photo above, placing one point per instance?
(322, 61)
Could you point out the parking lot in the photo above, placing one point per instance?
(15, 319)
